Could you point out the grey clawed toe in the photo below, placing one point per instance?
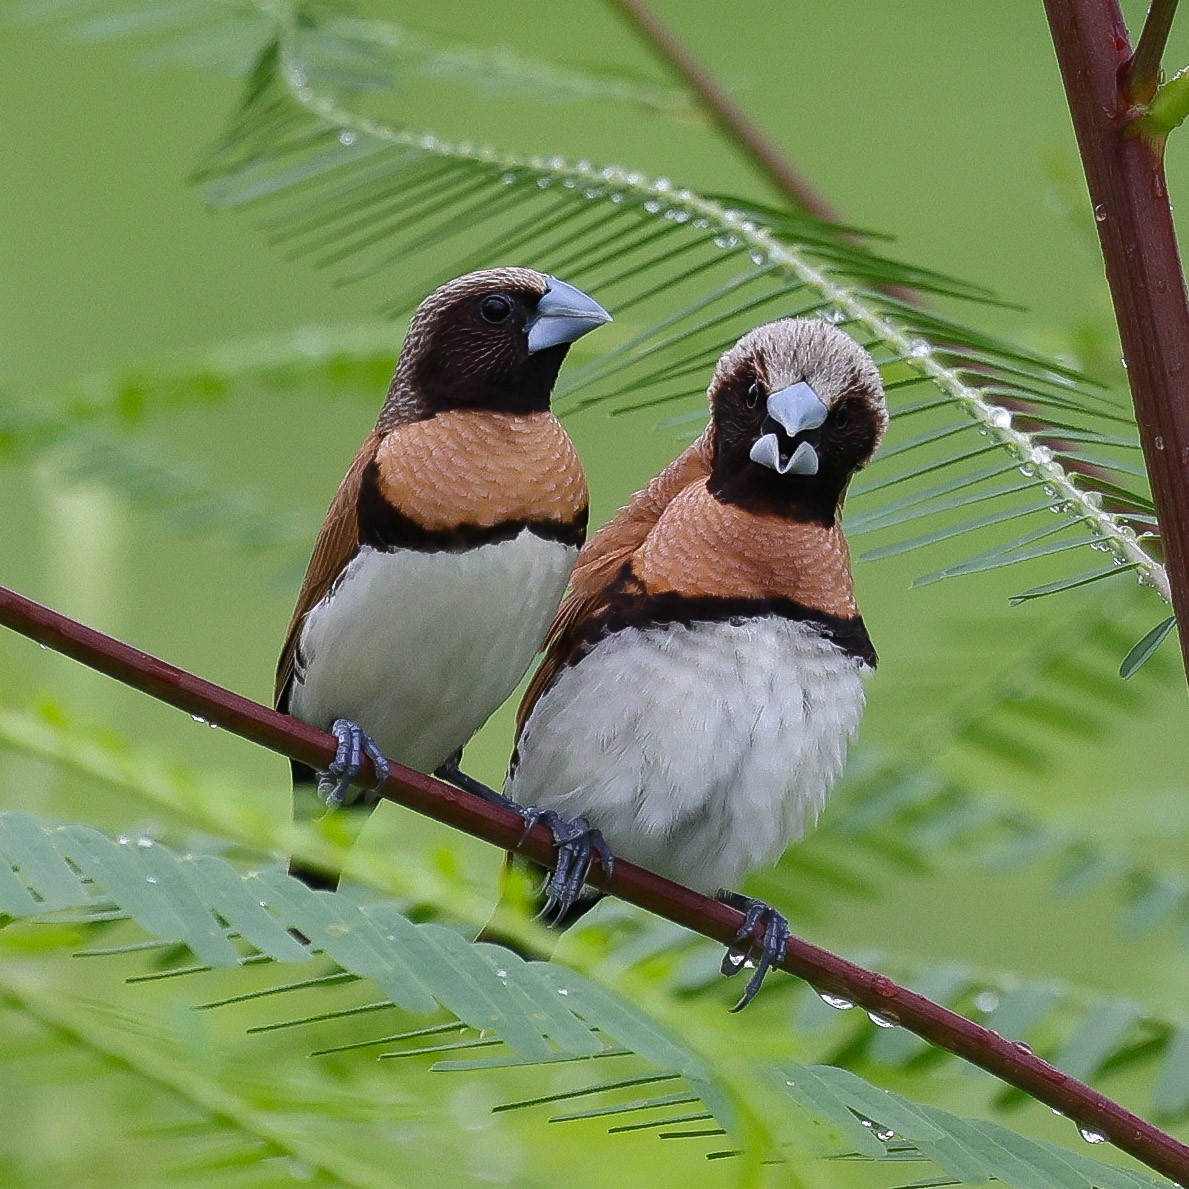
(354, 743)
(577, 846)
(765, 951)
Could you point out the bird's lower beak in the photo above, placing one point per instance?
(784, 445)
(563, 315)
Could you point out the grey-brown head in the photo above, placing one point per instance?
(797, 407)
(493, 339)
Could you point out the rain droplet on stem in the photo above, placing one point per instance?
(839, 1002)
(880, 1021)
(1090, 1135)
(1100, 213)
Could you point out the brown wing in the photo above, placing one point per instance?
(336, 545)
(602, 559)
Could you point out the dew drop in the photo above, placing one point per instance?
(150, 879)
(987, 1001)
(197, 718)
(1022, 1047)
(1090, 1135)
(144, 843)
(1000, 418)
(45, 646)
(562, 991)
(920, 350)
(838, 1002)
(654, 206)
(759, 258)
(1042, 455)
(544, 183)
(884, 1134)
(507, 179)
(1027, 471)
(880, 1021)
(1159, 443)
(501, 974)
(726, 241)
(1059, 1114)
(1100, 213)
(347, 137)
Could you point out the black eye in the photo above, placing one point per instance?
(753, 394)
(842, 415)
(495, 309)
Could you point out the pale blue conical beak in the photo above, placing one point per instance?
(796, 409)
(563, 315)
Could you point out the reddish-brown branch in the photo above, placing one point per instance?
(724, 111)
(1015, 1063)
(1140, 75)
(1125, 175)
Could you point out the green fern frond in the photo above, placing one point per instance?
(687, 273)
(543, 1013)
(344, 187)
(227, 36)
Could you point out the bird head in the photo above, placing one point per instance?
(493, 339)
(797, 407)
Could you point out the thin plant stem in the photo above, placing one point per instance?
(1013, 1062)
(1125, 176)
(1141, 74)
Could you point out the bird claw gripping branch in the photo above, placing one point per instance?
(762, 938)
(354, 743)
(577, 846)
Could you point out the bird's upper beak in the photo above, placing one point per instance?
(563, 315)
(791, 412)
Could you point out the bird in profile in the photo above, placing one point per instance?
(448, 544)
(703, 679)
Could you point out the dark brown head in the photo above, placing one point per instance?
(797, 407)
(490, 340)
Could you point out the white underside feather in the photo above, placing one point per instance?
(700, 752)
(421, 648)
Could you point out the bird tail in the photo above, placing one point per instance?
(308, 806)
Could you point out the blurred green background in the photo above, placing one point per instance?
(941, 125)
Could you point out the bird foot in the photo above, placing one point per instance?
(577, 845)
(335, 783)
(762, 952)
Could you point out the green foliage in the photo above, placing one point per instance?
(997, 456)
(541, 1013)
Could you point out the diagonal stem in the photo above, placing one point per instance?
(1014, 1063)
(724, 111)
(1140, 75)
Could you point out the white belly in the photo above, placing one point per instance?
(701, 751)
(421, 648)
